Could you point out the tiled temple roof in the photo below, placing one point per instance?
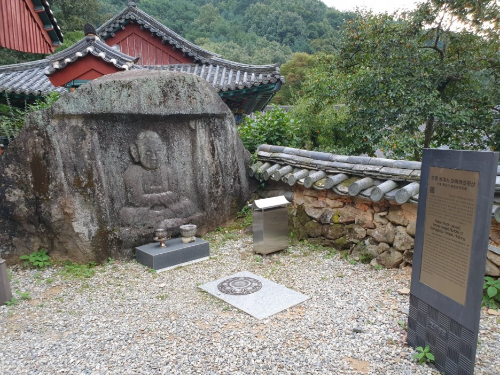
(27, 79)
(370, 178)
(224, 75)
(132, 13)
(94, 46)
(31, 78)
(227, 75)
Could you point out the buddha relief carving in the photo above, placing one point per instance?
(152, 201)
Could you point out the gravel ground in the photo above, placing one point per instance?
(128, 320)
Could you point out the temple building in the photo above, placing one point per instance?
(135, 40)
(29, 26)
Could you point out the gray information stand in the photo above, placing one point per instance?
(451, 243)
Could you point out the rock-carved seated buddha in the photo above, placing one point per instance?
(151, 203)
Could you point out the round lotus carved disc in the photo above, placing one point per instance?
(239, 286)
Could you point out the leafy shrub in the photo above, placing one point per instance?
(274, 127)
(12, 119)
(424, 355)
(37, 259)
(77, 270)
(21, 296)
(491, 296)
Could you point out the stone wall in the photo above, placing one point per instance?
(384, 231)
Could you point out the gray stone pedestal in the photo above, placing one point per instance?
(176, 253)
(5, 292)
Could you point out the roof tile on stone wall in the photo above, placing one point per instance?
(372, 178)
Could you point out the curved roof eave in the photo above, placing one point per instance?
(47, 17)
(132, 13)
(94, 46)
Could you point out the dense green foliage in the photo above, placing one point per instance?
(10, 56)
(37, 259)
(408, 81)
(12, 119)
(71, 15)
(295, 70)
(272, 127)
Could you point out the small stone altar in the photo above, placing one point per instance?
(175, 253)
(93, 176)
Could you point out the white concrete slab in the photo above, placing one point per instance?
(269, 299)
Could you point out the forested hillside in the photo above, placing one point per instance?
(250, 31)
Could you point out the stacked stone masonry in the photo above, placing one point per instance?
(366, 206)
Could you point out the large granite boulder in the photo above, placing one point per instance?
(94, 175)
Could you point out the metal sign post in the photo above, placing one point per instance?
(451, 243)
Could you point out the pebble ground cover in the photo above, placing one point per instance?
(121, 318)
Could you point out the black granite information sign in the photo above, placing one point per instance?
(451, 243)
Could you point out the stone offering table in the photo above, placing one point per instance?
(174, 254)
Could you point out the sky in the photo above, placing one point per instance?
(376, 5)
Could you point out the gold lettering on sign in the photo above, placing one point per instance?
(448, 230)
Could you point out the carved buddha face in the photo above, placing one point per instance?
(149, 150)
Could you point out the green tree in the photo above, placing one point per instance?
(413, 80)
(72, 15)
(320, 119)
(70, 38)
(11, 56)
(259, 51)
(112, 7)
(209, 23)
(177, 15)
(295, 71)
(273, 127)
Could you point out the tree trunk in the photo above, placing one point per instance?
(429, 131)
